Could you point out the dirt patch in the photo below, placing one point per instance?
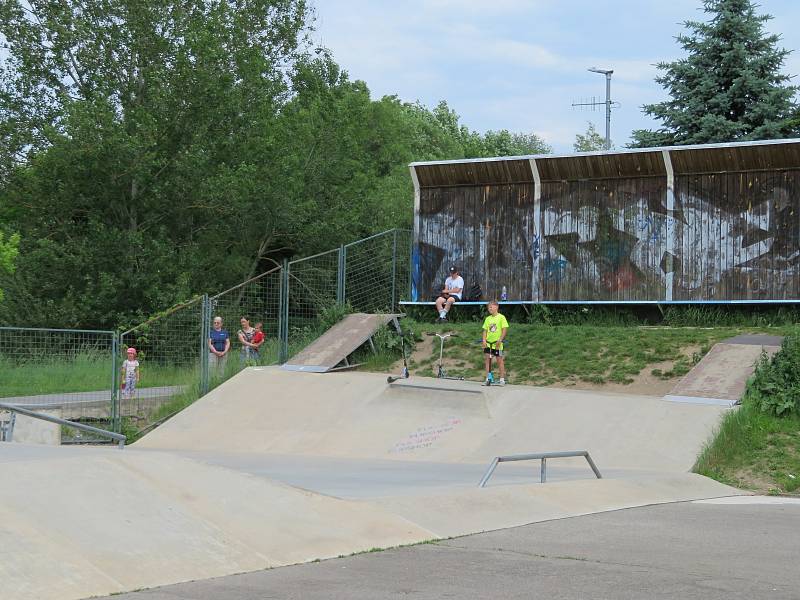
(419, 360)
(748, 479)
(423, 361)
(644, 384)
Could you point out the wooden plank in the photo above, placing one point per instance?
(336, 344)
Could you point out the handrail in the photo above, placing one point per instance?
(543, 456)
(120, 438)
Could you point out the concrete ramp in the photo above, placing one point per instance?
(721, 376)
(273, 468)
(80, 522)
(269, 411)
(331, 350)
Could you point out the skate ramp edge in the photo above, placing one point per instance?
(359, 415)
(134, 520)
(94, 522)
(476, 510)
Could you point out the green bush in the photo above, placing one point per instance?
(775, 386)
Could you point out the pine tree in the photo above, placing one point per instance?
(729, 87)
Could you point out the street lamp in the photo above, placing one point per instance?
(607, 73)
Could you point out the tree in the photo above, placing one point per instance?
(729, 86)
(153, 151)
(9, 249)
(506, 143)
(591, 141)
(123, 126)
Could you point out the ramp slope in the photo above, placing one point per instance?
(721, 376)
(358, 415)
(340, 341)
(79, 522)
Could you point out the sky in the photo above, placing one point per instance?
(520, 64)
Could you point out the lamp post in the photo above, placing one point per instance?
(607, 73)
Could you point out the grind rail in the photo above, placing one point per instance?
(543, 456)
(9, 431)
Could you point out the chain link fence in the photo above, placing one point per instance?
(377, 271)
(68, 373)
(91, 376)
(254, 304)
(312, 293)
(160, 364)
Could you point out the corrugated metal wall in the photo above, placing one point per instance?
(607, 227)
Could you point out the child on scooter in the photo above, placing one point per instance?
(495, 328)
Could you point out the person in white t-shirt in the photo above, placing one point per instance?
(453, 288)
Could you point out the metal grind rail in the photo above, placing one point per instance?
(543, 456)
(9, 431)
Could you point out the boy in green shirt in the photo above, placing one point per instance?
(495, 328)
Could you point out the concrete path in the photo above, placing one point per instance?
(354, 478)
(101, 397)
(688, 551)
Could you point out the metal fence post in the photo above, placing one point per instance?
(116, 421)
(344, 274)
(394, 269)
(410, 258)
(283, 314)
(340, 273)
(205, 318)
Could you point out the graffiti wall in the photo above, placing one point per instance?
(489, 232)
(603, 240)
(720, 236)
(737, 236)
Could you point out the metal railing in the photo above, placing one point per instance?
(70, 370)
(9, 431)
(543, 456)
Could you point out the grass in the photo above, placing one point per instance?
(92, 371)
(545, 355)
(87, 372)
(754, 450)
(758, 446)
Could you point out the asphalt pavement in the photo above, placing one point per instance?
(711, 550)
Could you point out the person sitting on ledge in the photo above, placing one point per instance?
(453, 288)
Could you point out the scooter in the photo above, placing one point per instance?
(441, 372)
(491, 346)
(404, 374)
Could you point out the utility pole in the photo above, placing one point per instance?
(608, 103)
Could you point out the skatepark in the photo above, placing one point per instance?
(276, 467)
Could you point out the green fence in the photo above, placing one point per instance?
(294, 303)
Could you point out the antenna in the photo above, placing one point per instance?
(608, 103)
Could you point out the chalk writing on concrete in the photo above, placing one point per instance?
(425, 437)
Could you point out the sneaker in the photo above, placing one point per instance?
(487, 382)
(443, 314)
(501, 382)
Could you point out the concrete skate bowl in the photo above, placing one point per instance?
(274, 468)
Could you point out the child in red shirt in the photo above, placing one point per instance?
(258, 339)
